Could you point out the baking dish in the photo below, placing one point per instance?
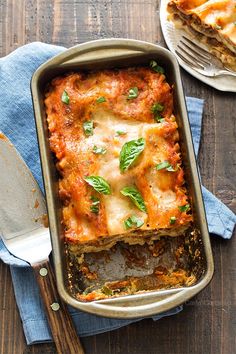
(104, 54)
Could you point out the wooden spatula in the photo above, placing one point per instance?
(23, 231)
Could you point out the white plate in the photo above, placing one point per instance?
(172, 37)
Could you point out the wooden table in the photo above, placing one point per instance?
(207, 323)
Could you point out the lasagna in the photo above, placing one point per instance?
(212, 22)
(115, 140)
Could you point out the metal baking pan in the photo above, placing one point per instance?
(115, 53)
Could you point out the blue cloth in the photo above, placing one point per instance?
(17, 122)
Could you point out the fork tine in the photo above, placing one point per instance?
(190, 57)
(190, 63)
(199, 56)
(190, 53)
(196, 46)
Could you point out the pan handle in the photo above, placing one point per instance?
(60, 322)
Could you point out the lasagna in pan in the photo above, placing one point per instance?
(212, 22)
(115, 139)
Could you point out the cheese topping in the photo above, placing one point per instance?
(84, 122)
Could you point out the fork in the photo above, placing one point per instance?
(201, 60)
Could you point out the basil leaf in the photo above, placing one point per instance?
(95, 205)
(94, 209)
(101, 99)
(153, 64)
(99, 184)
(133, 93)
(107, 291)
(94, 199)
(65, 98)
(135, 196)
(170, 169)
(156, 108)
(162, 165)
(121, 132)
(184, 208)
(159, 119)
(165, 165)
(133, 222)
(172, 220)
(88, 127)
(129, 153)
(99, 150)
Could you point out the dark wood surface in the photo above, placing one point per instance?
(207, 325)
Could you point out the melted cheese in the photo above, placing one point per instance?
(219, 14)
(162, 191)
(117, 207)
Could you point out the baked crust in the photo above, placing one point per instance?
(163, 191)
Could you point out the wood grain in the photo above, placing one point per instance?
(60, 322)
(207, 324)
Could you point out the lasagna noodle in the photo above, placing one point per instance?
(213, 22)
(163, 191)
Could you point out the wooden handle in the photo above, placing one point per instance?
(60, 322)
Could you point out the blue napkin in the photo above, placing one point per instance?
(17, 122)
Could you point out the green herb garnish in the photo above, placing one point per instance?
(88, 127)
(172, 220)
(171, 169)
(99, 150)
(129, 153)
(153, 64)
(101, 99)
(133, 222)
(165, 165)
(159, 119)
(135, 196)
(121, 132)
(99, 184)
(184, 208)
(95, 205)
(133, 93)
(157, 108)
(218, 27)
(105, 290)
(65, 98)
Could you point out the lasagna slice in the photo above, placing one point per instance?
(213, 22)
(116, 143)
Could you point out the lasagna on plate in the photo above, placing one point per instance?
(115, 139)
(212, 22)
